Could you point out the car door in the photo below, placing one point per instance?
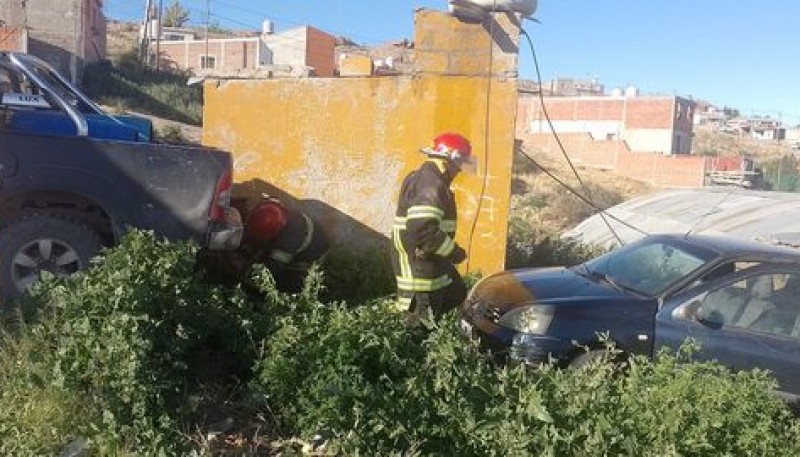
(751, 320)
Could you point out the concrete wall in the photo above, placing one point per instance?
(66, 33)
(12, 13)
(230, 53)
(652, 141)
(656, 169)
(341, 147)
(94, 31)
(289, 47)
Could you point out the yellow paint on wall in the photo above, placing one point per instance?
(355, 65)
(343, 146)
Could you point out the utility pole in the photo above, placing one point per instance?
(145, 43)
(158, 34)
(208, 19)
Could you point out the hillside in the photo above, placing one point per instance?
(121, 37)
(710, 142)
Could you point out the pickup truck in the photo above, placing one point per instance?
(74, 179)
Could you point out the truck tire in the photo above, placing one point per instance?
(41, 241)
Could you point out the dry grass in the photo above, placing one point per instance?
(709, 142)
(544, 203)
(121, 37)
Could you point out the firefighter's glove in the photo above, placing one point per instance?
(458, 255)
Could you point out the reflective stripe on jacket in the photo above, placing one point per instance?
(424, 230)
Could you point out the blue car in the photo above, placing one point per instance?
(740, 300)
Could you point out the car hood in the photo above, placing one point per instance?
(510, 289)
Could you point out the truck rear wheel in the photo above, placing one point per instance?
(39, 241)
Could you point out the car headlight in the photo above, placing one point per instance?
(528, 319)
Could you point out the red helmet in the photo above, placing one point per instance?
(449, 146)
(453, 147)
(266, 221)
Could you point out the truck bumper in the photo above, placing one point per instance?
(226, 234)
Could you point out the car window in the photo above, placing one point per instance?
(652, 267)
(768, 303)
(725, 269)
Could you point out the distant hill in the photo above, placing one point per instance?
(121, 37)
(710, 142)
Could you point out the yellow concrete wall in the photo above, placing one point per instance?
(343, 146)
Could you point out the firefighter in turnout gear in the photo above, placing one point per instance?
(287, 241)
(425, 252)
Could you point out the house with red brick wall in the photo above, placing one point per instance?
(299, 51)
(644, 138)
(647, 124)
(69, 34)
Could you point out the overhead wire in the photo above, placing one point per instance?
(600, 211)
(571, 190)
(486, 122)
(262, 16)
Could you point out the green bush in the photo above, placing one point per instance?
(357, 277)
(171, 133)
(130, 85)
(782, 174)
(357, 377)
(117, 357)
(140, 330)
(37, 417)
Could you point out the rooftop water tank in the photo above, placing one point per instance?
(631, 91)
(267, 27)
(616, 92)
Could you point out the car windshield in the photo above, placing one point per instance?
(651, 266)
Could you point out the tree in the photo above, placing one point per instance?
(175, 15)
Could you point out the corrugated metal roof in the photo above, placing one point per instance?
(753, 215)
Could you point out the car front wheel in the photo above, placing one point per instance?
(38, 242)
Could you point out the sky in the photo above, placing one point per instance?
(740, 54)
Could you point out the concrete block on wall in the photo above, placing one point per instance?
(355, 65)
(447, 45)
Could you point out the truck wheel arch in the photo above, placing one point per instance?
(65, 204)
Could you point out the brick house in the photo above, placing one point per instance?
(299, 51)
(647, 124)
(66, 33)
(644, 138)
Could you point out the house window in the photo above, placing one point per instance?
(208, 62)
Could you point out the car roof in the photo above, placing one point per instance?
(736, 247)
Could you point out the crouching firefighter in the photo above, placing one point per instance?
(425, 252)
(286, 241)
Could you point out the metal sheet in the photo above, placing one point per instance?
(754, 215)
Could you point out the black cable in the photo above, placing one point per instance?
(487, 117)
(578, 194)
(601, 212)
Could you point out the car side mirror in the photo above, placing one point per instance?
(713, 320)
(687, 311)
